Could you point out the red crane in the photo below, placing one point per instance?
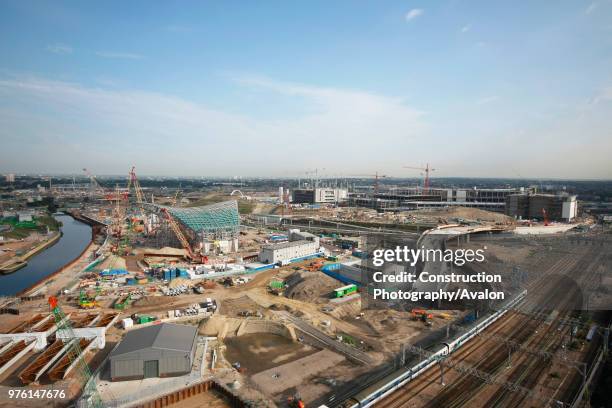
(425, 169)
(545, 216)
(376, 178)
(133, 181)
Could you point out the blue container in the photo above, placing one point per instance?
(360, 254)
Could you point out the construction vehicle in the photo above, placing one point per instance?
(420, 314)
(295, 401)
(90, 396)
(314, 266)
(86, 301)
(122, 302)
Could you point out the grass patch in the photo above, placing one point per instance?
(49, 221)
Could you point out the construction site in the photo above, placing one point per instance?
(262, 297)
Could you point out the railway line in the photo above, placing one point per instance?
(492, 356)
(529, 372)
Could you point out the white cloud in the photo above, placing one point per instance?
(414, 13)
(487, 99)
(108, 127)
(59, 48)
(119, 55)
(604, 95)
(591, 7)
(466, 28)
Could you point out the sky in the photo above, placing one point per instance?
(276, 88)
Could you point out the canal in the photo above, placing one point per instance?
(75, 238)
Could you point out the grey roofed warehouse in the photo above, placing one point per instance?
(161, 350)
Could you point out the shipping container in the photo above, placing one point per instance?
(345, 291)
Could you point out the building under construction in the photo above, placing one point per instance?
(554, 207)
(209, 229)
(402, 199)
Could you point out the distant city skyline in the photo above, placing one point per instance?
(274, 89)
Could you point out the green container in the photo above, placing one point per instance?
(277, 284)
(345, 291)
(145, 319)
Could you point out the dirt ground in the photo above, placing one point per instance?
(465, 213)
(293, 374)
(260, 351)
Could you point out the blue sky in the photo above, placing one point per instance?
(276, 88)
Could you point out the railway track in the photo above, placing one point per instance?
(514, 326)
(529, 372)
(467, 387)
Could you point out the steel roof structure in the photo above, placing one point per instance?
(213, 219)
(165, 336)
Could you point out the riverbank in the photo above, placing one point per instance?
(18, 262)
(83, 257)
(74, 244)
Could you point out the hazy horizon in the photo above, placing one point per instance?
(279, 89)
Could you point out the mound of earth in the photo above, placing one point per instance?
(474, 214)
(310, 286)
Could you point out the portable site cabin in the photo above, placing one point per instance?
(345, 291)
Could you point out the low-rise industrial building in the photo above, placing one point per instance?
(286, 251)
(412, 198)
(321, 195)
(162, 350)
(297, 235)
(557, 207)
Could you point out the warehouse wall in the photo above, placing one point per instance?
(127, 369)
(131, 365)
(174, 365)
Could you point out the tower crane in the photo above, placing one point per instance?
(93, 183)
(96, 187)
(90, 394)
(376, 176)
(118, 213)
(133, 181)
(176, 196)
(426, 171)
(545, 217)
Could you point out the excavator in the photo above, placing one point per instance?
(420, 314)
(295, 401)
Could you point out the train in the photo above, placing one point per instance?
(399, 378)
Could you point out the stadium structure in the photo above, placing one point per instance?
(212, 228)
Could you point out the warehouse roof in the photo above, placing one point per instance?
(165, 336)
(213, 217)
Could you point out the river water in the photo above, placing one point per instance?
(75, 238)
